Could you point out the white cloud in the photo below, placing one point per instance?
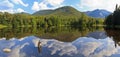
(44, 4)
(55, 2)
(35, 6)
(19, 2)
(13, 10)
(5, 4)
(101, 4)
(8, 10)
(20, 10)
(39, 6)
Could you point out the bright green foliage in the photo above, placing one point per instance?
(64, 16)
(23, 20)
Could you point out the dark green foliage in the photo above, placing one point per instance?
(43, 12)
(113, 20)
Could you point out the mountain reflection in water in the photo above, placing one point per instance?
(91, 44)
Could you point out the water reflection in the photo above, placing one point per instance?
(58, 33)
(81, 47)
(60, 42)
(97, 34)
(39, 47)
(114, 34)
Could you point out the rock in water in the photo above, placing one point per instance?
(7, 50)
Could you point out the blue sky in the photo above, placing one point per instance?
(31, 6)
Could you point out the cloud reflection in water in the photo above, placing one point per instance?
(81, 47)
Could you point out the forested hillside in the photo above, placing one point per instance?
(62, 11)
(64, 16)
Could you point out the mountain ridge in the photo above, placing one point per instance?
(71, 11)
(62, 11)
(98, 13)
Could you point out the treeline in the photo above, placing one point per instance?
(113, 20)
(26, 20)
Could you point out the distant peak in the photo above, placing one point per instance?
(97, 9)
(98, 13)
(66, 7)
(100, 10)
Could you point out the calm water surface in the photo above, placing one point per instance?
(59, 42)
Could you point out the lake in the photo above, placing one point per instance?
(59, 42)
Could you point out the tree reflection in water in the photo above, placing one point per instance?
(65, 34)
(39, 47)
(114, 34)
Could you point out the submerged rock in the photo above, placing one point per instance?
(7, 50)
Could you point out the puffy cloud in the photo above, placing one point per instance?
(101, 4)
(13, 10)
(45, 4)
(55, 2)
(39, 6)
(8, 10)
(35, 6)
(19, 2)
(5, 4)
(20, 10)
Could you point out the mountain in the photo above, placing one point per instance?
(23, 13)
(62, 11)
(98, 13)
(43, 12)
